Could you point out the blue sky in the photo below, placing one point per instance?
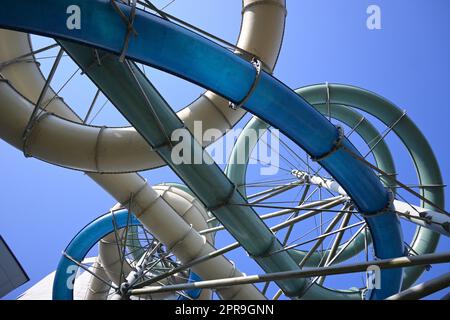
(326, 40)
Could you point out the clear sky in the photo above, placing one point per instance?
(406, 61)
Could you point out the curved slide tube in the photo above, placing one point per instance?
(204, 63)
(79, 247)
(220, 198)
(156, 137)
(428, 172)
(121, 186)
(121, 150)
(188, 207)
(343, 98)
(29, 81)
(236, 172)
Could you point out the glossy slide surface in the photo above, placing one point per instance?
(181, 52)
(83, 242)
(122, 150)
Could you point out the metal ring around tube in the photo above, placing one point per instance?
(348, 97)
(82, 243)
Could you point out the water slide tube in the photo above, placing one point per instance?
(121, 150)
(188, 207)
(242, 222)
(167, 226)
(202, 187)
(427, 167)
(236, 171)
(79, 247)
(344, 100)
(261, 34)
(204, 64)
(218, 266)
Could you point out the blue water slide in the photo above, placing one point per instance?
(83, 242)
(174, 49)
(169, 47)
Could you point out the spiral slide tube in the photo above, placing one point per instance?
(82, 244)
(189, 245)
(197, 59)
(428, 171)
(204, 63)
(166, 225)
(261, 33)
(184, 204)
(121, 186)
(262, 29)
(348, 97)
(237, 171)
(342, 99)
(241, 222)
(119, 150)
(83, 59)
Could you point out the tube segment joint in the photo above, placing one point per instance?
(129, 22)
(258, 66)
(337, 144)
(388, 208)
(27, 133)
(226, 201)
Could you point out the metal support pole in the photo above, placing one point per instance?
(331, 203)
(306, 273)
(29, 54)
(262, 193)
(424, 289)
(43, 93)
(336, 243)
(434, 220)
(91, 106)
(277, 191)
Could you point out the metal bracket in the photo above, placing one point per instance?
(337, 144)
(268, 252)
(389, 206)
(428, 219)
(226, 201)
(160, 146)
(129, 23)
(257, 64)
(97, 147)
(183, 238)
(27, 133)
